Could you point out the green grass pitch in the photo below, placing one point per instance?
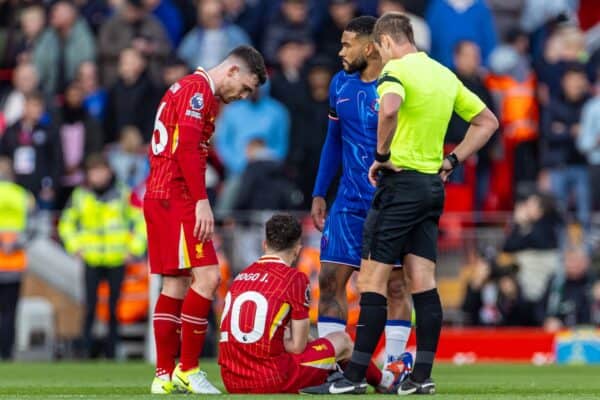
(131, 381)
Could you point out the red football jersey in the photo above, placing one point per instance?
(183, 125)
(261, 301)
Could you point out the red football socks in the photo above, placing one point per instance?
(193, 328)
(373, 375)
(167, 333)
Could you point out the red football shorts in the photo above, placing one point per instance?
(172, 247)
(309, 368)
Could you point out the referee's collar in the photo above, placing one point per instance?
(202, 71)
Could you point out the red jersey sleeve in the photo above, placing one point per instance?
(192, 113)
(299, 291)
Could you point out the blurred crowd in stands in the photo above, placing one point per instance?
(82, 77)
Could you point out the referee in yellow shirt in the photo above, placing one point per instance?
(417, 98)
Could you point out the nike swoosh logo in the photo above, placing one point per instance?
(334, 390)
(340, 101)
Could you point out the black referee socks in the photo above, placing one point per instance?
(371, 324)
(428, 310)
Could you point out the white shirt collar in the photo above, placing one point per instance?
(205, 74)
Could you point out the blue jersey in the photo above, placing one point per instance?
(351, 141)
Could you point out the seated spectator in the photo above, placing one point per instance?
(132, 26)
(128, 158)
(507, 14)
(170, 17)
(63, 46)
(132, 100)
(249, 15)
(94, 95)
(263, 184)
(260, 115)
(174, 70)
(291, 20)
(25, 82)
(101, 213)
(33, 22)
(207, 44)
(588, 142)
(328, 37)
(80, 135)
(559, 154)
(35, 151)
(494, 296)
(569, 296)
(96, 12)
(421, 31)
(451, 21)
(533, 241)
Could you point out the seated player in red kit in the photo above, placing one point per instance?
(265, 345)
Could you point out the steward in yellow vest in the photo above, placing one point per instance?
(103, 229)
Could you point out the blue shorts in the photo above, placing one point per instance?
(341, 242)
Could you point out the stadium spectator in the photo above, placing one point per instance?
(95, 95)
(15, 204)
(494, 296)
(174, 70)
(34, 148)
(128, 158)
(209, 42)
(33, 22)
(420, 28)
(507, 14)
(261, 115)
(80, 135)
(250, 15)
(467, 63)
(451, 21)
(100, 214)
(263, 184)
(533, 240)
(11, 32)
(169, 16)
(96, 12)
(133, 27)
(569, 297)
(25, 81)
(305, 149)
(132, 100)
(63, 46)
(596, 303)
(328, 37)
(588, 143)
(290, 20)
(559, 155)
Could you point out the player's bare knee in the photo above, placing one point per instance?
(342, 344)
(327, 281)
(175, 286)
(206, 281)
(397, 289)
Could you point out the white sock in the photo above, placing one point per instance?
(327, 325)
(396, 335)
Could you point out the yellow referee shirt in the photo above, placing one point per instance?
(430, 92)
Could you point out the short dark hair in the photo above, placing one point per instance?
(96, 160)
(574, 68)
(35, 96)
(395, 24)
(362, 26)
(253, 60)
(282, 232)
(463, 43)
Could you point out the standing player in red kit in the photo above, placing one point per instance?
(179, 218)
(265, 345)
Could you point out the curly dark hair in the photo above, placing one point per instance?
(253, 60)
(282, 232)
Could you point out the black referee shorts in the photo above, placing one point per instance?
(404, 217)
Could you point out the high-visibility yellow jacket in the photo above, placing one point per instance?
(14, 204)
(104, 229)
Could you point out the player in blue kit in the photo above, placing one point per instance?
(350, 144)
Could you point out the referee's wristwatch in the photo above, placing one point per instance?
(453, 159)
(382, 157)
